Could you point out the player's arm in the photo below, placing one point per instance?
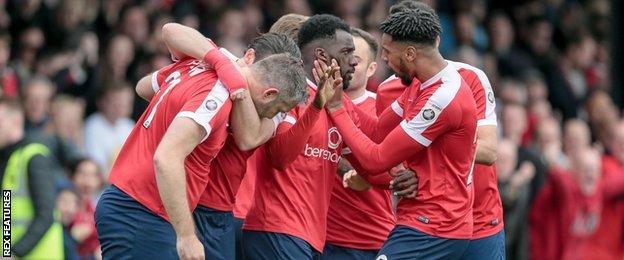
(145, 89)
(250, 131)
(292, 135)
(486, 145)
(186, 40)
(411, 137)
(182, 136)
(376, 128)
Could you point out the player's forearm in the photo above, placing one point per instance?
(377, 128)
(287, 145)
(486, 145)
(144, 88)
(374, 158)
(171, 182)
(186, 40)
(249, 130)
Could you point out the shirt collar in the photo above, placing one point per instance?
(437, 76)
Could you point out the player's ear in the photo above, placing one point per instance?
(371, 69)
(410, 53)
(250, 56)
(437, 41)
(270, 94)
(321, 54)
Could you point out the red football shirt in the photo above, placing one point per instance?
(247, 189)
(437, 140)
(488, 207)
(226, 174)
(187, 89)
(294, 199)
(360, 219)
(564, 220)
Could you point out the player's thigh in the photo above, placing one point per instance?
(268, 245)
(126, 229)
(492, 247)
(408, 243)
(216, 232)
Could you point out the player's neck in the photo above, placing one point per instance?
(434, 64)
(356, 93)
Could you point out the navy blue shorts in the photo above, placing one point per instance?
(408, 243)
(492, 247)
(334, 252)
(128, 230)
(268, 245)
(238, 232)
(216, 231)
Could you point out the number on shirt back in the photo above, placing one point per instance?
(172, 80)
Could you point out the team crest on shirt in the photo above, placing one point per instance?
(334, 138)
(428, 114)
(491, 97)
(211, 104)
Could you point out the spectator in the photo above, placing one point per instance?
(67, 120)
(37, 95)
(514, 186)
(88, 180)
(8, 78)
(106, 130)
(566, 213)
(567, 83)
(67, 205)
(25, 168)
(549, 144)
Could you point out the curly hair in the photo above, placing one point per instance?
(417, 24)
(321, 26)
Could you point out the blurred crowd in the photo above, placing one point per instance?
(73, 65)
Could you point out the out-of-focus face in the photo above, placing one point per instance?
(617, 141)
(507, 160)
(584, 54)
(9, 123)
(576, 136)
(37, 101)
(392, 54)
(342, 49)
(514, 121)
(117, 104)
(136, 25)
(67, 204)
(87, 178)
(549, 134)
(120, 52)
(502, 34)
(362, 54)
(586, 169)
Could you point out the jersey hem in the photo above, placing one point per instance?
(305, 238)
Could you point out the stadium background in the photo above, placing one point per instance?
(555, 67)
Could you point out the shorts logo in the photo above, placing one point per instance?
(211, 104)
(334, 138)
(382, 257)
(428, 114)
(491, 97)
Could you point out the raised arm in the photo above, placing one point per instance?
(186, 40)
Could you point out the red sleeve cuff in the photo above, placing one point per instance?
(226, 70)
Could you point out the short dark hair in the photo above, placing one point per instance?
(419, 24)
(369, 39)
(407, 4)
(274, 43)
(320, 26)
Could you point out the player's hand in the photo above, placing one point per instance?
(404, 184)
(239, 95)
(189, 248)
(327, 78)
(354, 181)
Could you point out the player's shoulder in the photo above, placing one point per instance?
(392, 82)
(471, 72)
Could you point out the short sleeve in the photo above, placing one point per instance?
(209, 109)
(434, 116)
